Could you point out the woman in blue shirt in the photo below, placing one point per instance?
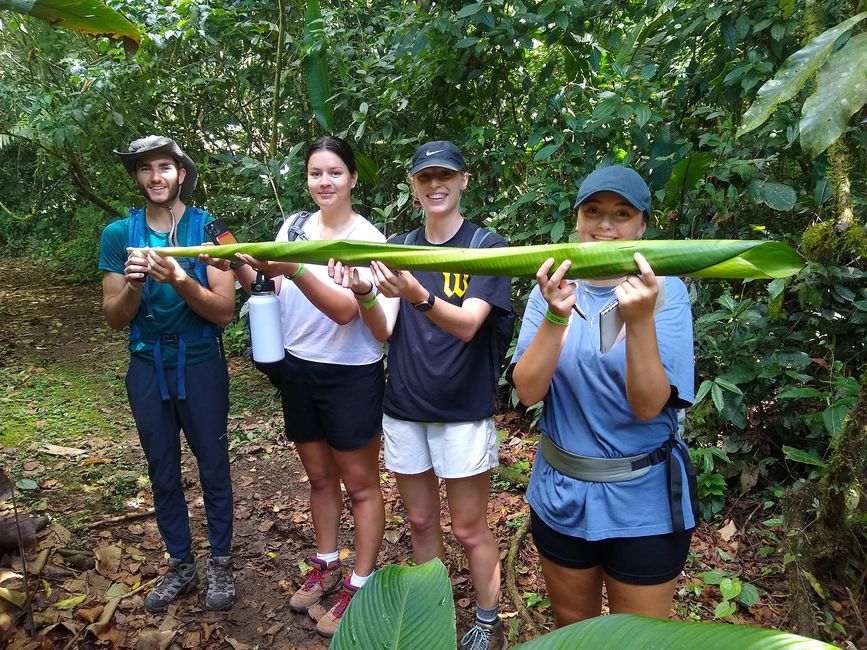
(612, 490)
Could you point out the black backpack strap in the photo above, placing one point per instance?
(408, 239)
(296, 228)
(479, 237)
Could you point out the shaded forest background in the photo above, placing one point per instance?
(537, 94)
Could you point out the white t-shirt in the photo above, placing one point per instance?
(307, 332)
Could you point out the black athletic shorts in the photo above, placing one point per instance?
(650, 560)
(325, 401)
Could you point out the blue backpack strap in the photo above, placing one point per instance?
(195, 236)
(135, 233)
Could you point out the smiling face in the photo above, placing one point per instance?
(329, 181)
(607, 216)
(439, 190)
(160, 177)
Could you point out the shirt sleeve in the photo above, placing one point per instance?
(530, 322)
(495, 290)
(112, 247)
(675, 340)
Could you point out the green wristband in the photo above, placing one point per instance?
(298, 272)
(369, 303)
(557, 320)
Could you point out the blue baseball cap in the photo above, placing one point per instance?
(439, 153)
(623, 180)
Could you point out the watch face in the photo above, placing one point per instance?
(425, 305)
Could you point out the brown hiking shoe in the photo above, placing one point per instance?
(322, 579)
(485, 636)
(327, 625)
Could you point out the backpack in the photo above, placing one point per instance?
(504, 325)
(135, 232)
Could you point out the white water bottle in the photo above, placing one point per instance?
(266, 327)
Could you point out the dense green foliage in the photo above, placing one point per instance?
(537, 94)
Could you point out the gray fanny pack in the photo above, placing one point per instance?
(615, 470)
(602, 470)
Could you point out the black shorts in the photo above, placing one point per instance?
(650, 560)
(325, 401)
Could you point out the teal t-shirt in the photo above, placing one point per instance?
(171, 315)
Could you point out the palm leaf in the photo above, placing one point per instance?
(631, 631)
(85, 16)
(720, 258)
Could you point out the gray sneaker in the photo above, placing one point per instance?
(221, 589)
(485, 636)
(180, 579)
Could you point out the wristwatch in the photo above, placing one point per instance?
(425, 305)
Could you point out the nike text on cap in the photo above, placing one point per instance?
(439, 153)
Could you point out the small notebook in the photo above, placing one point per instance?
(612, 328)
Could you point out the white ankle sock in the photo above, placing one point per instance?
(328, 558)
(358, 581)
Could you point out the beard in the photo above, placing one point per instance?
(174, 191)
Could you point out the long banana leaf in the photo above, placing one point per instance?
(720, 258)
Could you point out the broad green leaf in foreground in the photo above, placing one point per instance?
(841, 91)
(720, 258)
(401, 608)
(85, 16)
(793, 74)
(630, 631)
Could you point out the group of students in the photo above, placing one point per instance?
(611, 493)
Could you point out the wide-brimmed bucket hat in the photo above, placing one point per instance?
(158, 144)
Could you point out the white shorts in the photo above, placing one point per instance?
(452, 449)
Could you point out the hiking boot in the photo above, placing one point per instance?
(221, 589)
(322, 579)
(485, 636)
(180, 579)
(327, 625)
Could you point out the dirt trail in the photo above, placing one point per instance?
(46, 324)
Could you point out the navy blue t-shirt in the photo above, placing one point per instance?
(433, 376)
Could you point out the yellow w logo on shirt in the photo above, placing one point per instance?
(455, 284)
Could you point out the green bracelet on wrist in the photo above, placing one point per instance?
(133, 287)
(369, 303)
(298, 273)
(557, 320)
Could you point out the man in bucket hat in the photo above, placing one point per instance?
(177, 377)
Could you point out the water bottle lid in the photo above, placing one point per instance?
(262, 284)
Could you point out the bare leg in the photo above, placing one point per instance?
(359, 470)
(421, 496)
(575, 594)
(326, 501)
(647, 600)
(468, 507)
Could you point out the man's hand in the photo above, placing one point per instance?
(135, 270)
(166, 270)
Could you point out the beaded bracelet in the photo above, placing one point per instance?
(369, 303)
(133, 287)
(557, 320)
(298, 273)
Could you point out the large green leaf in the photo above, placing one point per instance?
(793, 74)
(687, 173)
(85, 16)
(316, 66)
(841, 91)
(401, 608)
(719, 258)
(630, 631)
